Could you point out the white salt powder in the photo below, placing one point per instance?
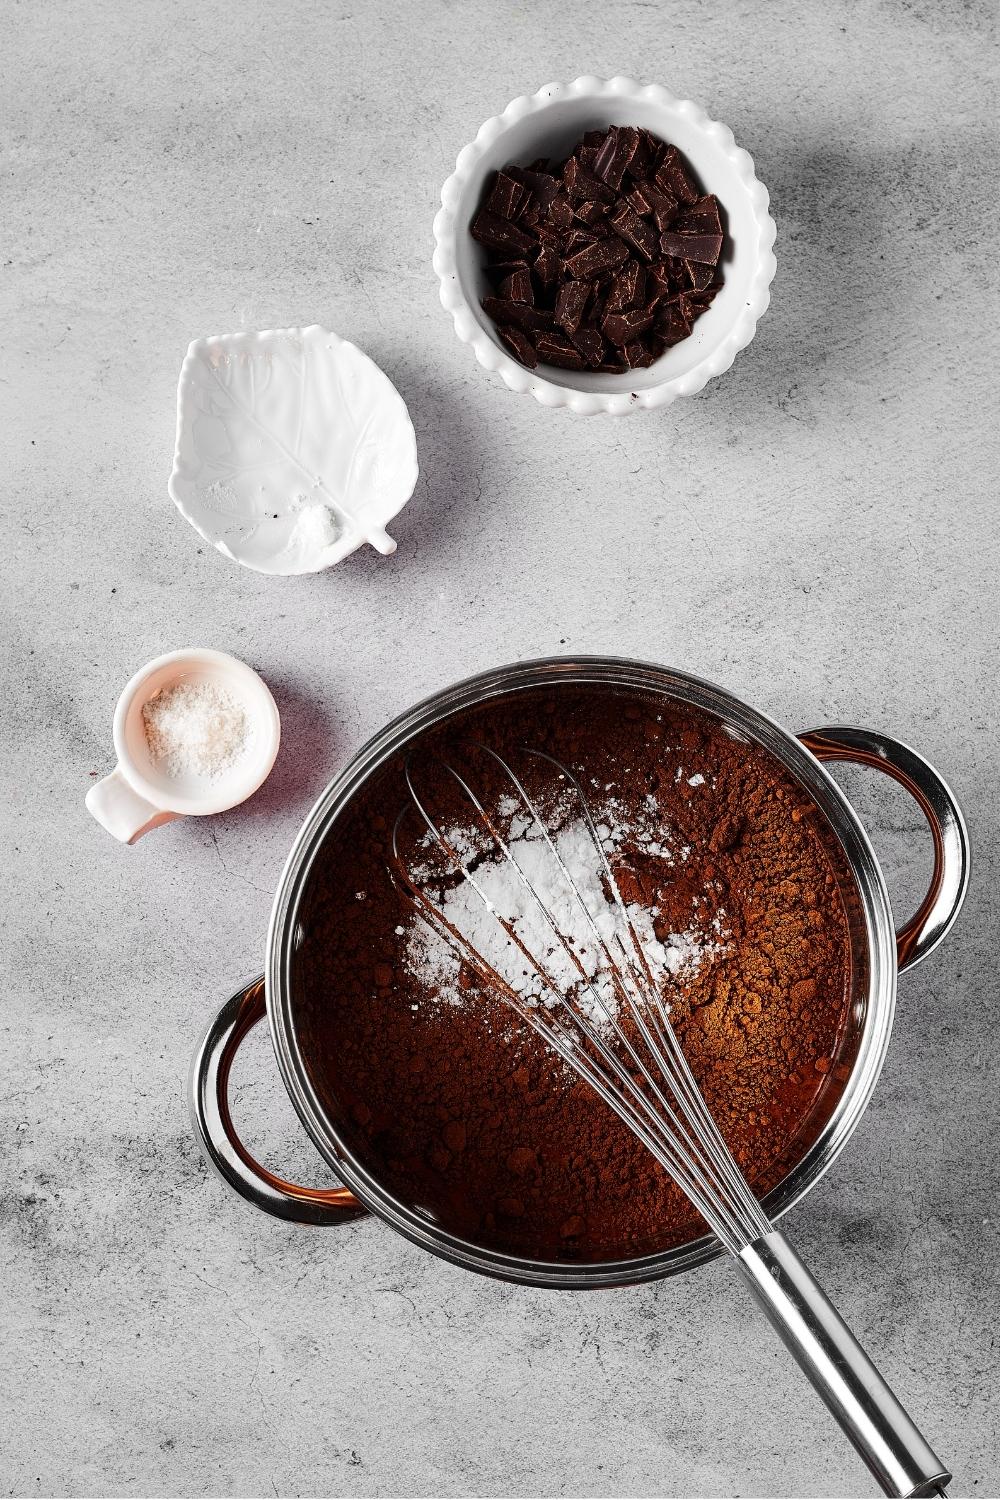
(316, 527)
(195, 728)
(430, 958)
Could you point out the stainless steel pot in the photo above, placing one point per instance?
(880, 953)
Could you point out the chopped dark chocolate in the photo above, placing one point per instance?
(627, 288)
(657, 282)
(636, 231)
(672, 325)
(507, 198)
(638, 356)
(620, 145)
(700, 276)
(663, 206)
(499, 234)
(639, 201)
(579, 238)
(517, 287)
(583, 184)
(599, 256)
(601, 261)
(624, 327)
(543, 188)
(593, 214)
(674, 176)
(590, 344)
(560, 214)
(702, 247)
(548, 266)
(519, 313)
(648, 155)
(570, 304)
(520, 346)
(498, 269)
(700, 218)
(556, 350)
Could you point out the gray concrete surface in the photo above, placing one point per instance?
(817, 531)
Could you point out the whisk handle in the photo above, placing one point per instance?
(840, 1370)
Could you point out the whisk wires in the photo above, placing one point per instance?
(610, 1021)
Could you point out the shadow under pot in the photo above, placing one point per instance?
(445, 1115)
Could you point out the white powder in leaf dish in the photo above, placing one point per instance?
(195, 728)
(316, 528)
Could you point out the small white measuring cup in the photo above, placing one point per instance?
(139, 795)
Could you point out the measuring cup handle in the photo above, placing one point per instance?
(120, 809)
(223, 1149)
(935, 916)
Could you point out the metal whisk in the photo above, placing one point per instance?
(593, 994)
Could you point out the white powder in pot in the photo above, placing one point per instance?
(195, 728)
(431, 960)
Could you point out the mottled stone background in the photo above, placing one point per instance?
(817, 531)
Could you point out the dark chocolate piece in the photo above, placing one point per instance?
(673, 176)
(597, 257)
(671, 323)
(700, 218)
(543, 188)
(548, 266)
(648, 155)
(556, 350)
(499, 234)
(517, 287)
(638, 356)
(701, 247)
(518, 313)
(593, 214)
(507, 198)
(560, 214)
(498, 269)
(663, 205)
(657, 283)
(638, 199)
(578, 238)
(624, 327)
(585, 185)
(620, 146)
(626, 222)
(570, 304)
(520, 346)
(700, 276)
(627, 288)
(590, 345)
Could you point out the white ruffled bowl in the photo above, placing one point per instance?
(550, 123)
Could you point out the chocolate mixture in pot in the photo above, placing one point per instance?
(459, 1108)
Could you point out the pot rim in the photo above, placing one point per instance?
(749, 722)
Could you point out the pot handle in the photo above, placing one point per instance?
(935, 916)
(222, 1147)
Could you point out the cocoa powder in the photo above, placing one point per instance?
(460, 1109)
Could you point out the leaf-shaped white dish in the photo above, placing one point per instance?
(292, 449)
